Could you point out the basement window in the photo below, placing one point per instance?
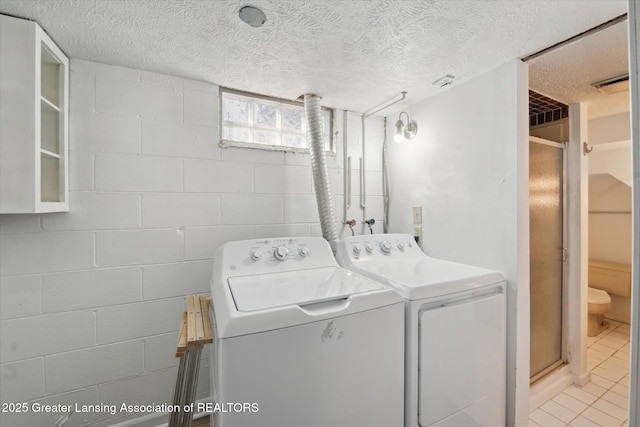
(257, 121)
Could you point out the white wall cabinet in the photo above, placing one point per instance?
(34, 104)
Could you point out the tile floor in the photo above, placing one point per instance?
(604, 401)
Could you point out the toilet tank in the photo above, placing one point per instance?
(610, 276)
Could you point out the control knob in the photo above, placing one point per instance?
(255, 255)
(401, 246)
(385, 247)
(281, 253)
(357, 249)
(304, 251)
(369, 247)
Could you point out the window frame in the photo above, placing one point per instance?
(224, 143)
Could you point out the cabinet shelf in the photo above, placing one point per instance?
(46, 153)
(48, 105)
(34, 99)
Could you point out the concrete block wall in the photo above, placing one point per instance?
(90, 300)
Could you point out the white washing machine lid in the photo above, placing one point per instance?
(431, 277)
(300, 288)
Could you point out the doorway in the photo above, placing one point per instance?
(546, 223)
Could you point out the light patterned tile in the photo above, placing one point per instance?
(612, 375)
(594, 389)
(570, 402)
(599, 417)
(617, 399)
(614, 340)
(624, 364)
(544, 419)
(622, 390)
(592, 364)
(617, 334)
(624, 328)
(622, 354)
(595, 354)
(534, 424)
(611, 409)
(580, 394)
(603, 349)
(624, 381)
(601, 381)
(605, 332)
(604, 401)
(583, 422)
(592, 340)
(559, 411)
(611, 343)
(614, 364)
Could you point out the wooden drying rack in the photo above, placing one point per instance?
(195, 332)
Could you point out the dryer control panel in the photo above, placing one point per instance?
(375, 248)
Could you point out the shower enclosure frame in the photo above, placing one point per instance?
(564, 324)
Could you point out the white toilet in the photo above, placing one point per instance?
(605, 278)
(599, 305)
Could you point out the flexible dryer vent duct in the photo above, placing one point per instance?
(319, 168)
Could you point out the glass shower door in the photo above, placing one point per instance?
(546, 255)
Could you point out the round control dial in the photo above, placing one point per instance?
(255, 255)
(369, 247)
(385, 247)
(357, 249)
(304, 251)
(401, 246)
(281, 253)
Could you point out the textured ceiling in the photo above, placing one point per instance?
(353, 53)
(566, 74)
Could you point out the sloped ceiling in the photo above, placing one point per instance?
(608, 194)
(353, 53)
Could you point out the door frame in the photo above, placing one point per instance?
(634, 92)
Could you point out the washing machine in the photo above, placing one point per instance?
(455, 334)
(300, 341)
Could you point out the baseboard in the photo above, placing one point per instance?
(582, 379)
(617, 318)
(550, 385)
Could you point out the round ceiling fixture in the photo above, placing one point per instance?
(252, 16)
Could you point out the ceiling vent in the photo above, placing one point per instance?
(613, 85)
(444, 81)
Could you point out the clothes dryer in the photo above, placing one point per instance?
(454, 330)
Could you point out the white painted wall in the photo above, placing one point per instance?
(613, 158)
(90, 300)
(609, 129)
(468, 168)
(610, 234)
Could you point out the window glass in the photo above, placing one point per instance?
(251, 120)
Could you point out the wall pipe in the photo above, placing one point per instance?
(363, 192)
(363, 185)
(346, 163)
(385, 179)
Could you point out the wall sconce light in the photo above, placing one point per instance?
(403, 131)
